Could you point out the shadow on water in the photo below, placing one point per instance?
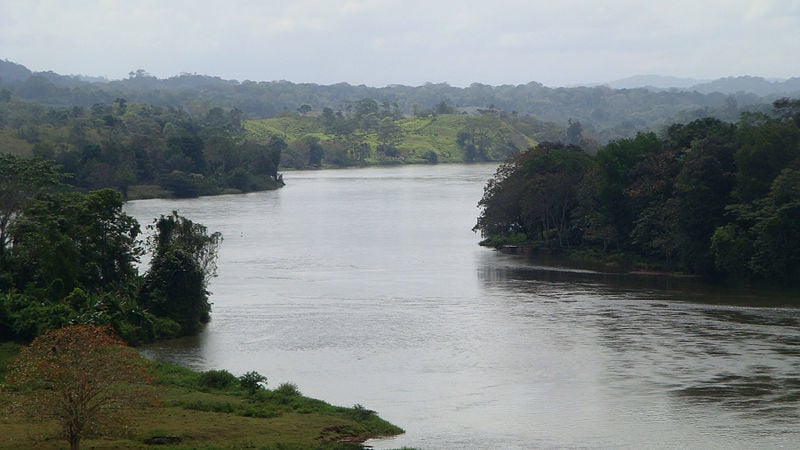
(761, 396)
(515, 269)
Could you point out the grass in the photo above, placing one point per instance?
(203, 417)
(437, 134)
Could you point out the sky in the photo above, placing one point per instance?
(410, 42)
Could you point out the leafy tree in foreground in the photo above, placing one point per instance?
(81, 375)
(70, 240)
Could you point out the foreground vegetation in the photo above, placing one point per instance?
(69, 257)
(709, 198)
(204, 410)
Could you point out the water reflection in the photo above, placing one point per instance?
(703, 350)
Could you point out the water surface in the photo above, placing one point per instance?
(367, 286)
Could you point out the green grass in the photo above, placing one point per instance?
(209, 418)
(420, 135)
(437, 134)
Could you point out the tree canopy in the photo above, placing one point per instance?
(81, 375)
(72, 258)
(711, 198)
(138, 149)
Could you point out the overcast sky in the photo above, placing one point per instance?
(381, 42)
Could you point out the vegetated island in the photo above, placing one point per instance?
(69, 285)
(708, 198)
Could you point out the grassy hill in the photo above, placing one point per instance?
(434, 138)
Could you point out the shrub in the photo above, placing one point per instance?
(288, 390)
(217, 379)
(361, 413)
(252, 381)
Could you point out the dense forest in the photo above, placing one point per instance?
(711, 198)
(152, 151)
(605, 113)
(71, 257)
(143, 150)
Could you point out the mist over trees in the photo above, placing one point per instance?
(605, 113)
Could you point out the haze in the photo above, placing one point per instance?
(409, 42)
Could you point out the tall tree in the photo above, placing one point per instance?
(71, 240)
(184, 261)
(21, 179)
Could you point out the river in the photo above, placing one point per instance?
(367, 286)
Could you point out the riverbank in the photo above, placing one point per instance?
(195, 413)
(587, 259)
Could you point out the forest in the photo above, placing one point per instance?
(143, 150)
(605, 113)
(709, 198)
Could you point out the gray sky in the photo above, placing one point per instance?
(375, 42)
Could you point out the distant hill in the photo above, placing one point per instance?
(10, 71)
(605, 112)
(754, 85)
(728, 85)
(654, 81)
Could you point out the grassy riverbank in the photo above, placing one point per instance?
(203, 410)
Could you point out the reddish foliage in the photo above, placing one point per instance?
(82, 375)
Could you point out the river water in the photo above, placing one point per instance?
(367, 286)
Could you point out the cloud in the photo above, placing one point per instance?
(405, 41)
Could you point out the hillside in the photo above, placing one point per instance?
(371, 139)
(605, 113)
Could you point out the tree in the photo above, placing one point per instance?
(20, 180)
(82, 376)
(184, 260)
(776, 248)
(574, 132)
(618, 166)
(534, 193)
(389, 136)
(68, 240)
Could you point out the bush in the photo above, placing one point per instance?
(166, 328)
(252, 381)
(360, 413)
(288, 390)
(217, 379)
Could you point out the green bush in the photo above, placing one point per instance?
(360, 413)
(287, 390)
(166, 327)
(217, 379)
(252, 382)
